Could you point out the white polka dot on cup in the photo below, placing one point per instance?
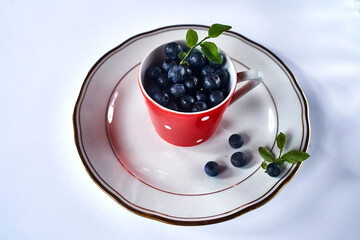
(205, 118)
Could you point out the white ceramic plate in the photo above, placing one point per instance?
(129, 161)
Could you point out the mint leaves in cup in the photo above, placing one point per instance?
(209, 49)
(275, 164)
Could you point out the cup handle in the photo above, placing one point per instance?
(253, 76)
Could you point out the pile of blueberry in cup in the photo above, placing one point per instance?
(193, 87)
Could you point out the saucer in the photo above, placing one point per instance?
(128, 160)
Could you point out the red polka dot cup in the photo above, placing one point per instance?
(192, 128)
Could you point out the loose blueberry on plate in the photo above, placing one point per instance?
(238, 159)
(199, 106)
(172, 50)
(177, 90)
(273, 169)
(212, 168)
(215, 98)
(236, 141)
(167, 64)
(177, 73)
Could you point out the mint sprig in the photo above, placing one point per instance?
(209, 49)
(292, 156)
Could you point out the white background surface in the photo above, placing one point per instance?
(46, 50)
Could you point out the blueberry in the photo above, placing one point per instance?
(197, 59)
(207, 70)
(238, 159)
(215, 65)
(177, 90)
(191, 83)
(172, 50)
(153, 72)
(151, 88)
(215, 97)
(273, 169)
(201, 96)
(162, 80)
(167, 64)
(216, 79)
(161, 97)
(177, 73)
(211, 82)
(224, 76)
(186, 102)
(188, 71)
(199, 106)
(173, 106)
(212, 168)
(236, 140)
(225, 91)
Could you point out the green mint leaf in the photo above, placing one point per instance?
(181, 55)
(295, 156)
(266, 154)
(191, 38)
(211, 52)
(280, 140)
(279, 161)
(264, 165)
(216, 29)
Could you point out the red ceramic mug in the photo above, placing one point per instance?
(192, 128)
